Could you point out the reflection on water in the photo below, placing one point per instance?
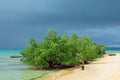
(13, 69)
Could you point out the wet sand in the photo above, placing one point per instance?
(107, 68)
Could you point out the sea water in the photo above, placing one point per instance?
(13, 69)
(113, 50)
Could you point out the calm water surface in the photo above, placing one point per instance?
(113, 50)
(13, 69)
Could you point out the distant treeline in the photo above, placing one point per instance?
(61, 51)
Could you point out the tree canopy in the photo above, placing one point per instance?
(60, 51)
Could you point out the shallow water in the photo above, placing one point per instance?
(113, 50)
(13, 69)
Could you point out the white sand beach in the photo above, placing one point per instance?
(107, 68)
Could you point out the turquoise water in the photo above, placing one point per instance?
(113, 50)
(13, 69)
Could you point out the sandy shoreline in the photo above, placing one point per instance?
(107, 68)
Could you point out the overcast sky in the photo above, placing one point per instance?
(22, 19)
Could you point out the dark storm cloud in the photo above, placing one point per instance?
(60, 11)
(20, 20)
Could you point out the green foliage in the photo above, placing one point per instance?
(101, 49)
(58, 51)
(29, 53)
